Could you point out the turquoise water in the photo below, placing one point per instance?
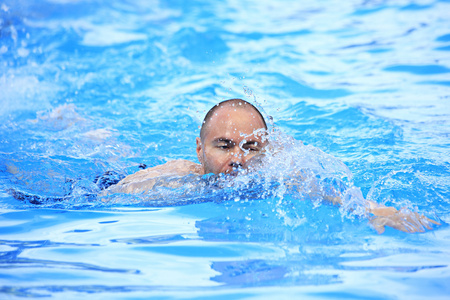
(93, 86)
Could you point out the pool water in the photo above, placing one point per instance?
(88, 87)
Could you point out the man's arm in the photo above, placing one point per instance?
(379, 215)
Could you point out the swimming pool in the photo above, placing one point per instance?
(92, 86)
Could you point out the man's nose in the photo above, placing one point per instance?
(237, 159)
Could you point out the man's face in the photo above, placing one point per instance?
(232, 136)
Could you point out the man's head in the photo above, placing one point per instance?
(232, 132)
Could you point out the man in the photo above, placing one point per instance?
(233, 133)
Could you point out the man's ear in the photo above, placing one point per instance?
(199, 150)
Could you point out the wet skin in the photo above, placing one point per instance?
(233, 135)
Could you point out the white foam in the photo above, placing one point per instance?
(109, 35)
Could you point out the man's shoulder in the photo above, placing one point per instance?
(178, 167)
(144, 180)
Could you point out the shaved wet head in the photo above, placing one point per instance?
(237, 103)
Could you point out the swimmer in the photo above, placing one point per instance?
(233, 137)
(232, 133)
(233, 140)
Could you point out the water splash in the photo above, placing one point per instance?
(286, 186)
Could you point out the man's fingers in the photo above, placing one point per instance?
(424, 222)
(433, 221)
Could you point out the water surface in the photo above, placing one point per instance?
(93, 86)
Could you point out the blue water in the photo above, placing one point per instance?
(93, 86)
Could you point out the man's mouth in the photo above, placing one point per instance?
(234, 171)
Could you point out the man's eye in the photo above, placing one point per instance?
(223, 147)
(251, 147)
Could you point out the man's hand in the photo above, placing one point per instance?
(403, 219)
